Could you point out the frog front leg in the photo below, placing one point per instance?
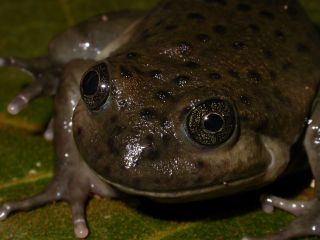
(307, 222)
(73, 180)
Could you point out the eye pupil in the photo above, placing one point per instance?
(90, 83)
(213, 122)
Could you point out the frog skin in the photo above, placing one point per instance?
(196, 99)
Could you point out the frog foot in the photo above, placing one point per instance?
(68, 187)
(46, 75)
(307, 222)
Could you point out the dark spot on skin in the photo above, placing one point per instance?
(157, 181)
(280, 96)
(114, 119)
(217, 2)
(238, 45)
(196, 16)
(148, 114)
(200, 164)
(244, 117)
(220, 29)
(243, 7)
(185, 112)
(292, 11)
(167, 5)
(133, 55)
(267, 14)
(302, 48)
(163, 95)
(112, 147)
(79, 131)
(245, 100)
(156, 75)
(97, 155)
(199, 180)
(166, 138)
(151, 153)
(214, 76)
(273, 75)
(146, 34)
(269, 107)
(192, 65)
(125, 72)
(158, 23)
(280, 35)
(184, 47)
(287, 65)
(203, 37)
(181, 81)
(149, 139)
(253, 28)
(234, 74)
(165, 123)
(117, 130)
(254, 76)
(267, 53)
(171, 27)
(137, 70)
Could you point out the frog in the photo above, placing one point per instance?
(195, 99)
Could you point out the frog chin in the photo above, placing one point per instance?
(279, 157)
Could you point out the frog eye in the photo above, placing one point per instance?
(211, 123)
(95, 87)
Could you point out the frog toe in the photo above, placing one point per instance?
(294, 207)
(45, 73)
(44, 86)
(27, 204)
(307, 222)
(79, 221)
(49, 132)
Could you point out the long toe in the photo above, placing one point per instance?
(78, 216)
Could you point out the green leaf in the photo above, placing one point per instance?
(27, 159)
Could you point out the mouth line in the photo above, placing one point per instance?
(213, 191)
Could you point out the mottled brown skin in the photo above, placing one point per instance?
(259, 56)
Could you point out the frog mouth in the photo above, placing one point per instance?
(279, 158)
(195, 194)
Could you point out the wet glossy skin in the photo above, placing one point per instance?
(197, 99)
(246, 54)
